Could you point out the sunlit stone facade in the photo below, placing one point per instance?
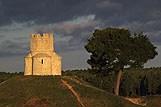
(42, 58)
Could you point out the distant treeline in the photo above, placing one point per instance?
(6, 75)
(135, 82)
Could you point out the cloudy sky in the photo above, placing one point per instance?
(72, 22)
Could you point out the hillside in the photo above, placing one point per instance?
(65, 91)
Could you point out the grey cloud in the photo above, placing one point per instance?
(73, 33)
(65, 41)
(50, 11)
(155, 37)
(72, 21)
(39, 11)
(15, 26)
(69, 26)
(21, 39)
(10, 48)
(58, 14)
(141, 11)
(151, 28)
(108, 4)
(2, 36)
(78, 40)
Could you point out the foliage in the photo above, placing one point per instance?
(49, 91)
(135, 82)
(99, 98)
(20, 90)
(4, 76)
(115, 48)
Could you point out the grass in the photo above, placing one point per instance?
(34, 91)
(153, 101)
(93, 97)
(17, 91)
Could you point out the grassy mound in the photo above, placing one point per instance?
(153, 101)
(33, 91)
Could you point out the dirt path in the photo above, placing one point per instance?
(73, 91)
(3, 82)
(81, 82)
(138, 101)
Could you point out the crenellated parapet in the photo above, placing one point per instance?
(42, 35)
(42, 58)
(42, 42)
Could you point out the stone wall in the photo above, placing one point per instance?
(42, 58)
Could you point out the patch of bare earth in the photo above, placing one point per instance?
(2, 82)
(81, 82)
(73, 92)
(137, 101)
(36, 102)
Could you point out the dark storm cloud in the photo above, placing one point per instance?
(73, 33)
(39, 10)
(59, 10)
(75, 20)
(10, 48)
(72, 22)
(138, 15)
(2, 36)
(155, 37)
(74, 43)
(133, 10)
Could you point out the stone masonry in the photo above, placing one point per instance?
(42, 58)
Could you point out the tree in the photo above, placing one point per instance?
(113, 49)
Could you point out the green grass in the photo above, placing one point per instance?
(49, 91)
(93, 97)
(153, 101)
(134, 82)
(17, 91)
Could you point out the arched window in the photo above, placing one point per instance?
(42, 61)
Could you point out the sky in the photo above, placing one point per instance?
(72, 22)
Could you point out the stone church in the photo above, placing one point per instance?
(42, 58)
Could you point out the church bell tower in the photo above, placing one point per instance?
(42, 58)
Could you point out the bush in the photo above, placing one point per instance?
(135, 82)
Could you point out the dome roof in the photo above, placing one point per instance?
(41, 55)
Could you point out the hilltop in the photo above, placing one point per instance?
(66, 91)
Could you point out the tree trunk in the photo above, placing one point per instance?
(118, 80)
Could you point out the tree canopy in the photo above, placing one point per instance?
(115, 48)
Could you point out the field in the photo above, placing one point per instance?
(66, 91)
(79, 88)
(134, 82)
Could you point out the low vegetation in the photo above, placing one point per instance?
(4, 76)
(33, 91)
(134, 83)
(114, 49)
(94, 89)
